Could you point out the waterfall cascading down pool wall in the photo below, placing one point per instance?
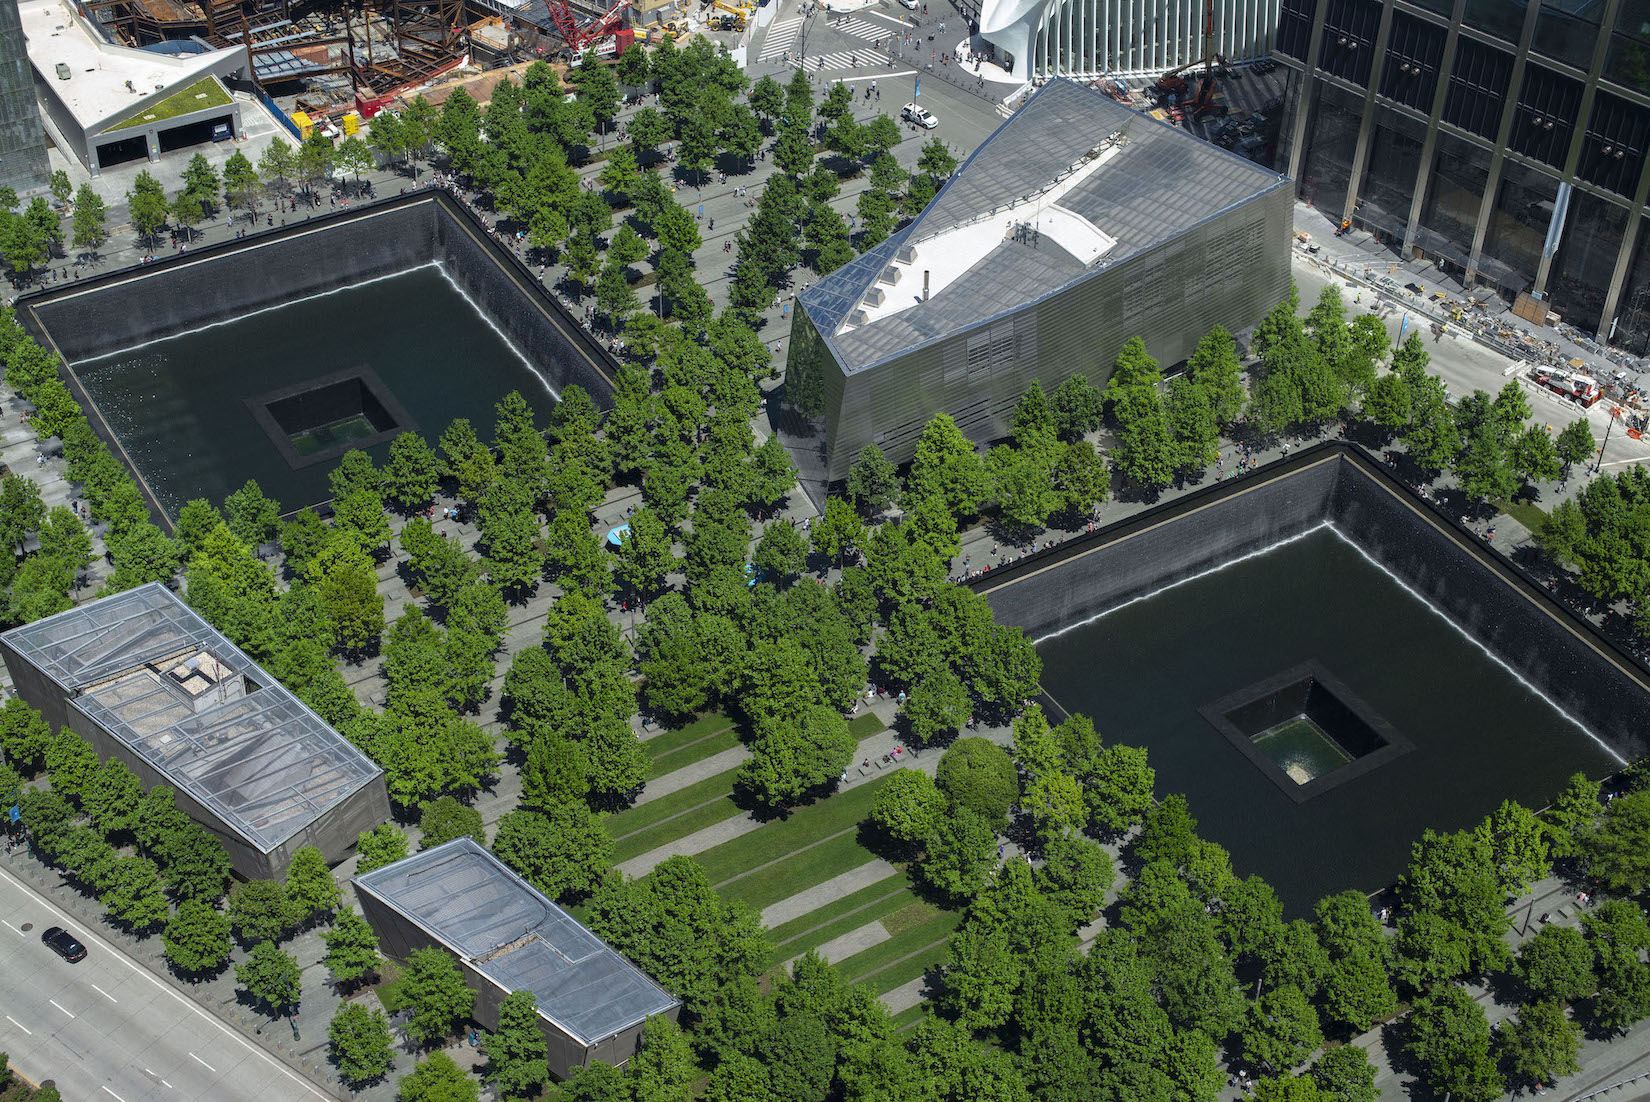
(1492, 600)
(222, 283)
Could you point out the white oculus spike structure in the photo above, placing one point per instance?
(1090, 38)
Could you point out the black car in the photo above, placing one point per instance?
(63, 943)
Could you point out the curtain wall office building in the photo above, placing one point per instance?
(144, 679)
(1089, 38)
(1504, 139)
(1075, 226)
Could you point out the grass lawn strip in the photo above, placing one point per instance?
(865, 726)
(625, 823)
(785, 877)
(684, 756)
(825, 931)
(802, 925)
(1527, 513)
(677, 826)
(902, 972)
(909, 1018)
(666, 741)
(909, 917)
(781, 838)
(936, 931)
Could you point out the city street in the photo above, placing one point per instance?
(105, 1028)
(1465, 364)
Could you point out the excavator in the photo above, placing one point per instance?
(1172, 83)
(728, 17)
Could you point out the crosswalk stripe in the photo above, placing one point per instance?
(861, 29)
(844, 59)
(780, 36)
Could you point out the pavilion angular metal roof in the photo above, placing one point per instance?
(512, 933)
(149, 670)
(1112, 176)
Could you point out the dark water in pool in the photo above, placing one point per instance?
(1301, 750)
(1480, 734)
(177, 404)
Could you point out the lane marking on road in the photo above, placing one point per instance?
(12, 928)
(19, 1025)
(203, 1063)
(61, 1007)
(104, 993)
(115, 1096)
(310, 1088)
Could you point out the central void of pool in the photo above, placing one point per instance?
(279, 394)
(1422, 727)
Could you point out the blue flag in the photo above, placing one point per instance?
(916, 92)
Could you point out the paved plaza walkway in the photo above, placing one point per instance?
(837, 887)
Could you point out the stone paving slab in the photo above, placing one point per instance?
(693, 773)
(854, 941)
(697, 842)
(843, 884)
(906, 995)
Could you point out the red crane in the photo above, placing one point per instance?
(605, 26)
(1172, 82)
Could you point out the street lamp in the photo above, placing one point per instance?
(1608, 425)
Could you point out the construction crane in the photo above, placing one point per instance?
(1574, 385)
(609, 25)
(1173, 83)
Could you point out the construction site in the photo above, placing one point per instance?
(328, 57)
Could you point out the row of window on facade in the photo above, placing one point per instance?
(1566, 31)
(1452, 189)
(1547, 107)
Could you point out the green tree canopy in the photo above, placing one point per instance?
(310, 887)
(977, 774)
(359, 1043)
(271, 977)
(260, 910)
(562, 850)
(437, 1078)
(908, 806)
(197, 939)
(444, 819)
(1448, 1035)
(441, 1002)
(517, 1057)
(352, 949)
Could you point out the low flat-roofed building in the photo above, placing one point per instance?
(508, 936)
(144, 679)
(111, 104)
(1076, 225)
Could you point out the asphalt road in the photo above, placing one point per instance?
(106, 1029)
(1466, 365)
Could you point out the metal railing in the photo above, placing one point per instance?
(1613, 1086)
(280, 116)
